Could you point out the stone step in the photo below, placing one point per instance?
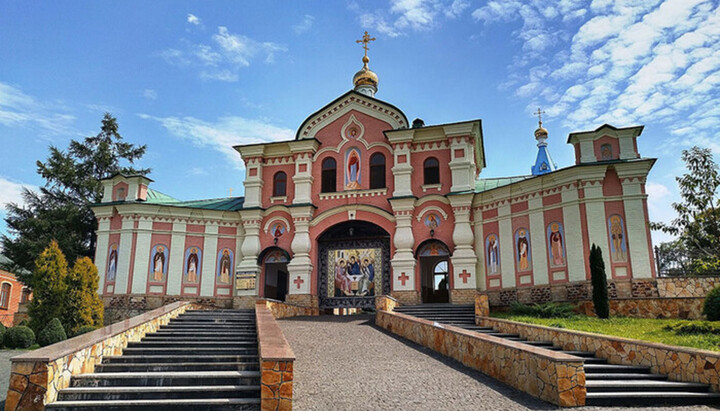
(249, 320)
(613, 368)
(595, 360)
(643, 385)
(543, 344)
(153, 337)
(162, 379)
(133, 359)
(186, 365)
(206, 327)
(478, 328)
(504, 335)
(150, 393)
(579, 353)
(184, 333)
(210, 404)
(192, 344)
(651, 398)
(624, 376)
(190, 351)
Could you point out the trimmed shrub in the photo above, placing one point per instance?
(545, 310)
(19, 337)
(85, 329)
(711, 307)
(601, 303)
(52, 333)
(694, 328)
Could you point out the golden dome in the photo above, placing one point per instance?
(541, 132)
(365, 77)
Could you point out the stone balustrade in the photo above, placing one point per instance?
(551, 376)
(37, 376)
(385, 303)
(276, 361)
(678, 363)
(281, 309)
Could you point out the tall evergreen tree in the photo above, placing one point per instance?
(83, 306)
(49, 287)
(61, 209)
(598, 279)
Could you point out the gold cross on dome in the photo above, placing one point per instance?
(539, 113)
(365, 40)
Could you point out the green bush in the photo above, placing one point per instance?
(711, 308)
(545, 310)
(19, 337)
(52, 333)
(601, 303)
(695, 328)
(2, 333)
(85, 329)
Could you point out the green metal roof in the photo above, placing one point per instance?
(220, 204)
(485, 184)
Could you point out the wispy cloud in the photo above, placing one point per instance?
(224, 133)
(12, 192)
(223, 57)
(150, 94)
(402, 16)
(18, 109)
(193, 19)
(305, 25)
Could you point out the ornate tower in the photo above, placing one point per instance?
(543, 163)
(365, 80)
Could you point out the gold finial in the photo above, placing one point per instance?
(365, 40)
(539, 113)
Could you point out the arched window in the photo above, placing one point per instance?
(5, 296)
(279, 184)
(25, 296)
(329, 176)
(377, 171)
(431, 169)
(440, 276)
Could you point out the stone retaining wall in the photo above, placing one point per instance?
(385, 303)
(551, 376)
(463, 297)
(276, 361)
(37, 376)
(685, 308)
(678, 363)
(122, 307)
(281, 309)
(686, 286)
(406, 297)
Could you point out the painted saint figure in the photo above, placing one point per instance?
(192, 265)
(493, 254)
(557, 248)
(159, 263)
(432, 221)
(353, 170)
(112, 264)
(342, 282)
(523, 249)
(617, 237)
(225, 267)
(367, 270)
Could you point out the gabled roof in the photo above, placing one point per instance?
(377, 104)
(127, 176)
(220, 204)
(485, 184)
(636, 129)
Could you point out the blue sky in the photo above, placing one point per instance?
(192, 78)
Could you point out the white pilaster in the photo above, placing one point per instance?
(635, 219)
(403, 262)
(537, 242)
(253, 183)
(303, 178)
(123, 271)
(101, 251)
(142, 257)
(597, 222)
(251, 243)
(209, 260)
(464, 260)
(177, 257)
(587, 152)
(300, 265)
(507, 257)
(479, 239)
(462, 167)
(573, 236)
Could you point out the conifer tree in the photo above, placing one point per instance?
(49, 279)
(83, 306)
(599, 283)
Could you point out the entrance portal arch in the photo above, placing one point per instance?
(354, 265)
(274, 261)
(434, 260)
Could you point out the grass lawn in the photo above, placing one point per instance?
(637, 328)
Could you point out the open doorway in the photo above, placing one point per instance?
(434, 261)
(276, 275)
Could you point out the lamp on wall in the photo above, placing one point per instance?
(275, 240)
(351, 231)
(432, 232)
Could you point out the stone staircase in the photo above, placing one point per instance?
(606, 384)
(201, 360)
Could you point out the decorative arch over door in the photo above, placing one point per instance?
(354, 265)
(275, 278)
(433, 258)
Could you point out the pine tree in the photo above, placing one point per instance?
(83, 306)
(599, 283)
(49, 279)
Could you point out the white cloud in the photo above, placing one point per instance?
(11, 192)
(193, 19)
(402, 16)
(150, 94)
(224, 133)
(18, 109)
(305, 25)
(223, 58)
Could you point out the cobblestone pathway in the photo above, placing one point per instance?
(346, 363)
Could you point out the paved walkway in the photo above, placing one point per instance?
(346, 363)
(5, 356)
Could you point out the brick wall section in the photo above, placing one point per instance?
(276, 362)
(551, 376)
(37, 376)
(678, 363)
(7, 315)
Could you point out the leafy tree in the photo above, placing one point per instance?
(698, 221)
(49, 286)
(83, 306)
(673, 258)
(61, 209)
(599, 283)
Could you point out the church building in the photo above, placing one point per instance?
(364, 202)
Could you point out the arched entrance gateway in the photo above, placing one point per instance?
(434, 259)
(275, 273)
(354, 265)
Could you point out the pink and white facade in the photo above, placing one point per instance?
(363, 203)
